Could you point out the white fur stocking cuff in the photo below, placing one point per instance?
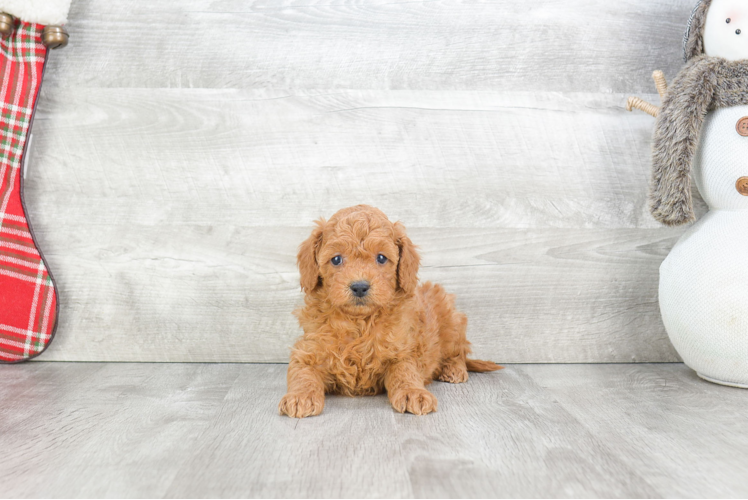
(46, 12)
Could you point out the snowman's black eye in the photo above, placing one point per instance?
(337, 260)
(381, 259)
(728, 20)
(737, 32)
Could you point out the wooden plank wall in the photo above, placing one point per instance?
(183, 148)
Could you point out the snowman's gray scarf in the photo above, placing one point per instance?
(704, 84)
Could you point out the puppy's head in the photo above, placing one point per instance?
(358, 261)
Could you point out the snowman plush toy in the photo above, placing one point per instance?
(701, 133)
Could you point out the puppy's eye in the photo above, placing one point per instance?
(381, 259)
(337, 260)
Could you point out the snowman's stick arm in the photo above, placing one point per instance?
(660, 83)
(642, 105)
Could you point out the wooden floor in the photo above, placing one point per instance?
(180, 430)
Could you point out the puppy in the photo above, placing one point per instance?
(368, 326)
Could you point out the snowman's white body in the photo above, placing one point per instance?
(704, 280)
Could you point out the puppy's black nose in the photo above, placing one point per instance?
(360, 288)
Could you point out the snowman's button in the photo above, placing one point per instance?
(742, 126)
(742, 186)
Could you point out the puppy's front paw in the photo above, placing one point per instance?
(297, 405)
(454, 374)
(415, 401)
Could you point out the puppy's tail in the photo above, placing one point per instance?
(476, 365)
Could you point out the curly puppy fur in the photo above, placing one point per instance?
(704, 84)
(397, 338)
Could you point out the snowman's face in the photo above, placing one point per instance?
(726, 30)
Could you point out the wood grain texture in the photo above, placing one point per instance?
(699, 427)
(175, 431)
(171, 215)
(269, 158)
(176, 241)
(551, 295)
(542, 45)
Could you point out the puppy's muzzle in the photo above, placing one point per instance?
(360, 288)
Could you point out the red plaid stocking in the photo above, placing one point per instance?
(28, 299)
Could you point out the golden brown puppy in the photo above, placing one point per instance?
(368, 326)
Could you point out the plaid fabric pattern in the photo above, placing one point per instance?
(28, 300)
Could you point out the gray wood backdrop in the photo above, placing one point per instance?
(183, 148)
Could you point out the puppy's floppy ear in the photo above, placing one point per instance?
(407, 266)
(307, 258)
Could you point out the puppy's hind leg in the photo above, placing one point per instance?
(454, 346)
(453, 371)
